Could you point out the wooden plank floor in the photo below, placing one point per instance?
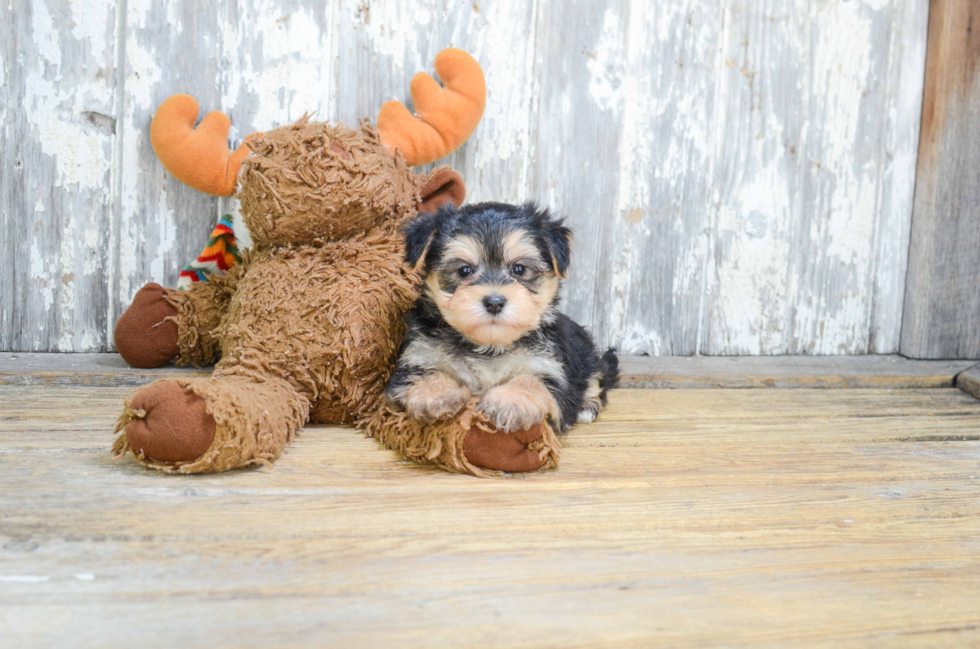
(683, 517)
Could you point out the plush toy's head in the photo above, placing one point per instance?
(314, 180)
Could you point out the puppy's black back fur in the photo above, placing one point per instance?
(581, 363)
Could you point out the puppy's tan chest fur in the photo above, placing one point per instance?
(480, 373)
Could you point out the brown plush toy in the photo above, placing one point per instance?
(308, 325)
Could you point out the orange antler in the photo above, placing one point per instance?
(446, 116)
(198, 157)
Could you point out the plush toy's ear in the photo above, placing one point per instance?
(558, 238)
(419, 235)
(441, 186)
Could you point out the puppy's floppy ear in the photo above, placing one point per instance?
(558, 238)
(419, 234)
(441, 186)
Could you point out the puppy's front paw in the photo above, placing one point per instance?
(518, 404)
(436, 397)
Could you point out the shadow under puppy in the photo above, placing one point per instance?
(487, 323)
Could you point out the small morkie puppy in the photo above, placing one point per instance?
(487, 322)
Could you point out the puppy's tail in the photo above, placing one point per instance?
(608, 373)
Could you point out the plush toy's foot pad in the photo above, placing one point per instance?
(143, 335)
(173, 424)
(512, 452)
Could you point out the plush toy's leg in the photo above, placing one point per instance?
(163, 324)
(467, 443)
(213, 424)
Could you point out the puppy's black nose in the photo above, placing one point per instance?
(494, 303)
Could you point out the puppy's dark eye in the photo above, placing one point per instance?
(518, 269)
(465, 271)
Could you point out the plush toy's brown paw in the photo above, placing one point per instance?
(143, 335)
(174, 425)
(505, 451)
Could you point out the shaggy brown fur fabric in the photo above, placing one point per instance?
(308, 326)
(469, 443)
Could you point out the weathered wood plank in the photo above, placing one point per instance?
(942, 295)
(103, 370)
(896, 155)
(969, 381)
(812, 179)
(622, 147)
(109, 370)
(57, 73)
(7, 248)
(682, 519)
(787, 372)
(576, 131)
(35, 419)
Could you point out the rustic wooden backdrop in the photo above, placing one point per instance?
(740, 173)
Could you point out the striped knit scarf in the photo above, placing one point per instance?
(220, 254)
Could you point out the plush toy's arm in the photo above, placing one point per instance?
(199, 310)
(165, 324)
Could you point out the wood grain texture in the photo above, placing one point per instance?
(100, 370)
(815, 152)
(742, 171)
(969, 381)
(681, 518)
(109, 370)
(942, 295)
(623, 147)
(57, 116)
(893, 372)
(739, 172)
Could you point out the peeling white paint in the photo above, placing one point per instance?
(66, 290)
(44, 34)
(285, 83)
(160, 258)
(605, 67)
(393, 28)
(80, 156)
(807, 285)
(89, 24)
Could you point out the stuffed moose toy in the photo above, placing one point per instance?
(308, 325)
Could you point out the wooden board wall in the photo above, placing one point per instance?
(942, 305)
(739, 172)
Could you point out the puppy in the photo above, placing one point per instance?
(487, 322)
